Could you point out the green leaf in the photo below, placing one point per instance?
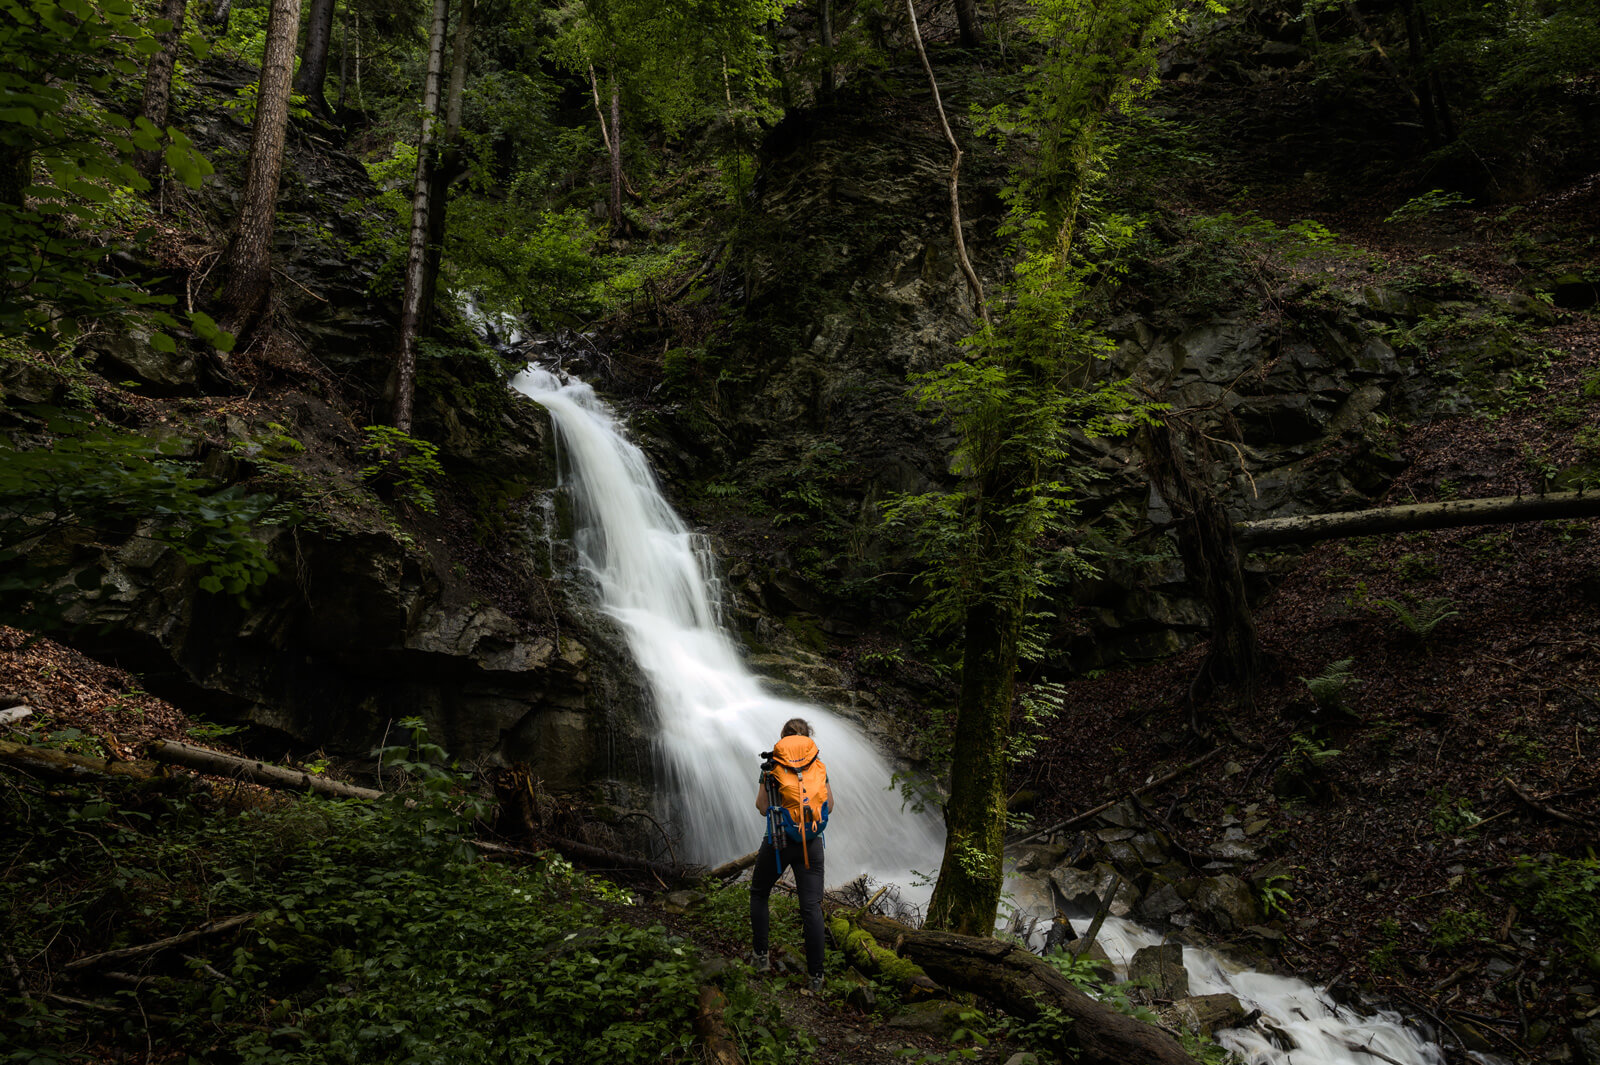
(163, 343)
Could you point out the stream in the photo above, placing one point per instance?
(652, 575)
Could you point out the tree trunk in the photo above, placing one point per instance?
(219, 15)
(158, 83)
(250, 251)
(1025, 985)
(449, 167)
(344, 59)
(825, 29)
(967, 20)
(967, 894)
(314, 57)
(618, 222)
(1210, 557)
(405, 372)
(1309, 528)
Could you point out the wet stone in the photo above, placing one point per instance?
(1161, 967)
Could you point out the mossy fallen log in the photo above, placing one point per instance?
(1025, 985)
(1452, 514)
(868, 955)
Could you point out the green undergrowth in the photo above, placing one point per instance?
(378, 936)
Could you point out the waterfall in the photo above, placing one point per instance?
(713, 717)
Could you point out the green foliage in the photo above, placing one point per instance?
(379, 936)
(1420, 616)
(71, 157)
(1430, 202)
(1565, 892)
(1455, 927)
(1330, 687)
(401, 460)
(89, 487)
(1274, 894)
(1451, 816)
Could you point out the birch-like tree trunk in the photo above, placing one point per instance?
(249, 254)
(405, 371)
(449, 166)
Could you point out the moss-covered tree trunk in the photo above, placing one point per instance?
(967, 895)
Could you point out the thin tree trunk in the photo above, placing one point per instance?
(250, 250)
(1206, 546)
(825, 21)
(314, 57)
(219, 14)
(215, 763)
(967, 894)
(955, 170)
(158, 83)
(344, 58)
(1419, 65)
(618, 222)
(449, 167)
(405, 373)
(967, 20)
(1385, 60)
(1309, 528)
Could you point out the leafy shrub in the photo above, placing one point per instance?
(1566, 893)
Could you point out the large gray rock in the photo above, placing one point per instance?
(1205, 1014)
(1161, 969)
(1226, 902)
(1082, 890)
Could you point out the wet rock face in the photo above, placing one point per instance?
(853, 286)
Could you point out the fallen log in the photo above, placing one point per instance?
(203, 760)
(1024, 984)
(713, 1030)
(865, 953)
(733, 868)
(1309, 528)
(66, 765)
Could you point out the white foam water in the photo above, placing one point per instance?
(713, 716)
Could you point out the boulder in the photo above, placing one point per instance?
(1226, 902)
(1205, 1014)
(1161, 969)
(1082, 890)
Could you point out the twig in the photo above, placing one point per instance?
(955, 169)
(1103, 807)
(301, 287)
(1533, 803)
(666, 838)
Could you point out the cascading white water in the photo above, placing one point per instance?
(713, 715)
(1319, 1031)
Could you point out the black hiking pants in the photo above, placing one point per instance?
(807, 879)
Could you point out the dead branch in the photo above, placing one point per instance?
(955, 169)
(1103, 807)
(210, 928)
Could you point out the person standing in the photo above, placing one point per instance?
(793, 795)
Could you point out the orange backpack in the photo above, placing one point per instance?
(798, 789)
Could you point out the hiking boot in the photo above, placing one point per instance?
(814, 985)
(761, 963)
